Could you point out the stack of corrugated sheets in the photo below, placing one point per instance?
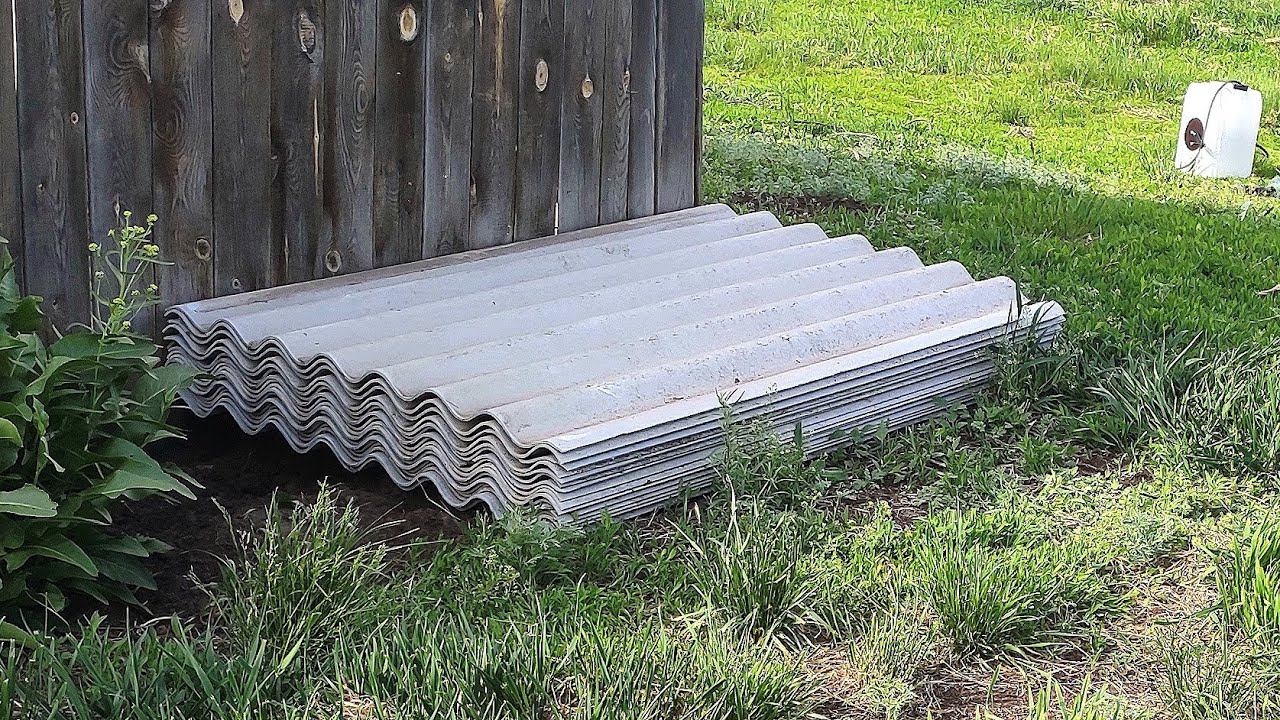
(586, 373)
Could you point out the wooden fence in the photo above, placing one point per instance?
(282, 140)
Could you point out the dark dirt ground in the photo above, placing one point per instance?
(802, 206)
(240, 472)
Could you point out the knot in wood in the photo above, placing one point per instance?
(408, 23)
(306, 32)
(541, 74)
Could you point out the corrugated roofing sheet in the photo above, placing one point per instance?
(585, 373)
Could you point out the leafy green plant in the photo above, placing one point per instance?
(755, 570)
(307, 575)
(1248, 579)
(1218, 681)
(160, 673)
(120, 269)
(423, 665)
(1012, 600)
(75, 419)
(1218, 408)
(771, 466)
(520, 550)
(1054, 703)
(888, 655)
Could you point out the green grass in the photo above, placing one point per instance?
(1002, 594)
(1028, 138)
(1093, 539)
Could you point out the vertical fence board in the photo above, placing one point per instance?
(642, 163)
(398, 133)
(10, 167)
(282, 140)
(679, 93)
(581, 116)
(246, 255)
(182, 170)
(447, 186)
(297, 104)
(616, 104)
(493, 137)
(538, 137)
(54, 179)
(350, 66)
(696, 60)
(118, 123)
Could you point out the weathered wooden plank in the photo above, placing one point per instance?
(581, 116)
(10, 161)
(642, 162)
(538, 151)
(447, 185)
(398, 149)
(615, 131)
(298, 134)
(350, 61)
(182, 154)
(54, 179)
(118, 123)
(494, 126)
(699, 103)
(679, 93)
(246, 253)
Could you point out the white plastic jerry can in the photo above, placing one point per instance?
(1220, 123)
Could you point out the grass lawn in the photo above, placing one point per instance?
(1097, 538)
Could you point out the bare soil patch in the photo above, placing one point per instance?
(797, 205)
(240, 473)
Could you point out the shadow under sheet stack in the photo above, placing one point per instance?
(583, 374)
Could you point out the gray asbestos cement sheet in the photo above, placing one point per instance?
(586, 373)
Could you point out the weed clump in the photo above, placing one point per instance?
(1219, 680)
(1054, 703)
(310, 575)
(1248, 580)
(1000, 596)
(1217, 409)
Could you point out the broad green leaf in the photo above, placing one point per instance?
(137, 476)
(122, 449)
(125, 545)
(63, 549)
(35, 387)
(9, 456)
(12, 535)
(138, 463)
(9, 433)
(127, 570)
(54, 599)
(28, 501)
(153, 545)
(14, 560)
(13, 633)
(25, 316)
(100, 591)
(89, 345)
(165, 378)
